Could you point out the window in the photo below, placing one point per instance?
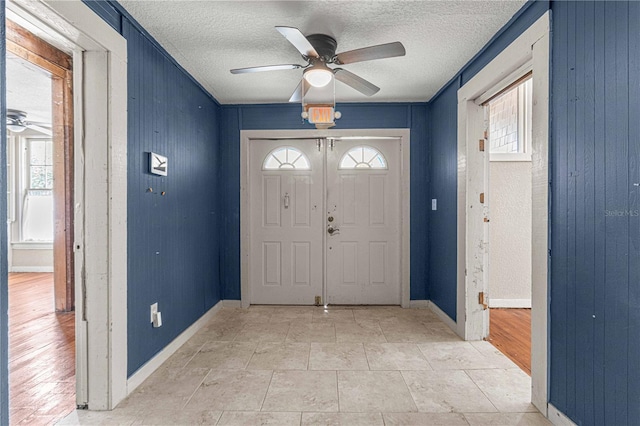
(286, 157)
(510, 122)
(40, 163)
(363, 157)
(36, 216)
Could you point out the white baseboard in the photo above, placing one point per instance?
(428, 304)
(232, 303)
(154, 363)
(558, 418)
(443, 316)
(31, 246)
(31, 269)
(509, 303)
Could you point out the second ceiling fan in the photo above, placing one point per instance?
(318, 50)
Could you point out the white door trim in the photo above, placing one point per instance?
(247, 135)
(530, 49)
(100, 56)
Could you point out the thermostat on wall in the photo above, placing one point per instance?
(157, 164)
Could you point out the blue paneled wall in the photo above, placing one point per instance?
(172, 238)
(354, 116)
(443, 170)
(595, 226)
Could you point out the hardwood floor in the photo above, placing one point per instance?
(41, 352)
(510, 332)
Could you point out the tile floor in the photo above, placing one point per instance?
(337, 366)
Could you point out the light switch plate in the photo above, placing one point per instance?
(434, 204)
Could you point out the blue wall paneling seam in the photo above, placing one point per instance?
(4, 320)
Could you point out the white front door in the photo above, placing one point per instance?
(340, 198)
(363, 222)
(286, 190)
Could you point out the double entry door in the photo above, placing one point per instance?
(324, 221)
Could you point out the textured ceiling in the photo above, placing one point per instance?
(208, 38)
(28, 90)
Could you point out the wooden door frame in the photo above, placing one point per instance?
(100, 209)
(530, 51)
(36, 51)
(404, 135)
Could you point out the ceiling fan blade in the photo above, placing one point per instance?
(266, 68)
(40, 129)
(300, 91)
(381, 51)
(358, 83)
(299, 41)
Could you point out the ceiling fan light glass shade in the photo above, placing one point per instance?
(16, 128)
(318, 77)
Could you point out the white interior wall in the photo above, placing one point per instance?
(510, 234)
(31, 260)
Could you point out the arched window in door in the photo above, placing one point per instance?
(286, 157)
(363, 157)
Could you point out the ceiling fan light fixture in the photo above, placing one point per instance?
(16, 120)
(318, 76)
(16, 128)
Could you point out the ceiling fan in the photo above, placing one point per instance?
(319, 50)
(17, 122)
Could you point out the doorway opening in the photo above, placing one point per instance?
(508, 118)
(527, 53)
(40, 228)
(325, 217)
(99, 55)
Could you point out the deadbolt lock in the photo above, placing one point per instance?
(330, 218)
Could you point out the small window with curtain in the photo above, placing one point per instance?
(40, 167)
(37, 205)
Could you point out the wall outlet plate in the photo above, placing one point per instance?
(157, 320)
(154, 311)
(434, 204)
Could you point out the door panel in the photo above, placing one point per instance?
(301, 202)
(271, 201)
(285, 262)
(271, 263)
(363, 255)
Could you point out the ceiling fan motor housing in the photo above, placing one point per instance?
(325, 46)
